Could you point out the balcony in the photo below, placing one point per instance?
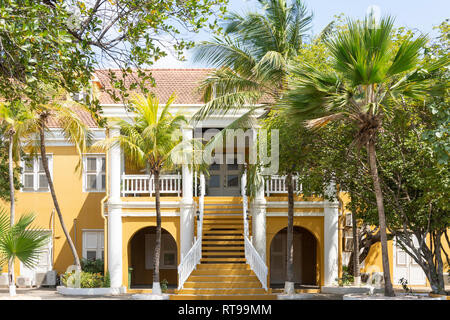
(137, 185)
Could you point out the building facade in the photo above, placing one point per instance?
(208, 223)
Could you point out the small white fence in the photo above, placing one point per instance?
(189, 262)
(255, 261)
(277, 184)
(252, 256)
(134, 184)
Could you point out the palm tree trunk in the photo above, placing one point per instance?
(289, 284)
(356, 272)
(156, 289)
(12, 282)
(11, 177)
(55, 200)
(388, 289)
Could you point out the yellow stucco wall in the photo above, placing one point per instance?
(74, 204)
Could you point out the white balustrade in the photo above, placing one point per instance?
(189, 262)
(252, 256)
(277, 184)
(255, 261)
(133, 184)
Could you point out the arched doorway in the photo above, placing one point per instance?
(141, 250)
(305, 258)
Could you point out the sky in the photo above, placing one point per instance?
(422, 15)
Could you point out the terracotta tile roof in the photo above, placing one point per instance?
(183, 82)
(84, 115)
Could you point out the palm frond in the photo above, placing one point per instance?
(74, 129)
(23, 241)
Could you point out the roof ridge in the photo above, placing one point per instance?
(162, 69)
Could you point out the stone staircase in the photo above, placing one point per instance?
(223, 272)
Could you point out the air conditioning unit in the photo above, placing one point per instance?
(348, 219)
(4, 283)
(23, 282)
(46, 278)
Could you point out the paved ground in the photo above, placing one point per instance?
(51, 294)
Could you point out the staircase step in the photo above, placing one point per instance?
(222, 273)
(219, 225)
(222, 267)
(222, 248)
(236, 223)
(227, 237)
(221, 259)
(222, 242)
(223, 216)
(222, 291)
(223, 278)
(223, 285)
(217, 232)
(231, 254)
(222, 200)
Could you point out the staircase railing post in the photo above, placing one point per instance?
(244, 200)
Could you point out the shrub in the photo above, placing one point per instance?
(93, 266)
(107, 280)
(164, 284)
(347, 278)
(88, 279)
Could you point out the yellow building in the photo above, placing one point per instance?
(236, 245)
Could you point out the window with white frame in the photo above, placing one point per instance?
(94, 177)
(33, 176)
(93, 245)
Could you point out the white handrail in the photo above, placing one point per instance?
(201, 205)
(277, 184)
(189, 262)
(256, 263)
(244, 202)
(252, 256)
(133, 184)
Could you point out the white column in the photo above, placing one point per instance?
(114, 214)
(331, 238)
(259, 222)
(187, 214)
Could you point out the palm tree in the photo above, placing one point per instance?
(75, 132)
(18, 123)
(22, 241)
(371, 76)
(252, 57)
(252, 62)
(149, 142)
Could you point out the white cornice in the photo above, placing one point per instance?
(297, 204)
(296, 214)
(54, 137)
(150, 204)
